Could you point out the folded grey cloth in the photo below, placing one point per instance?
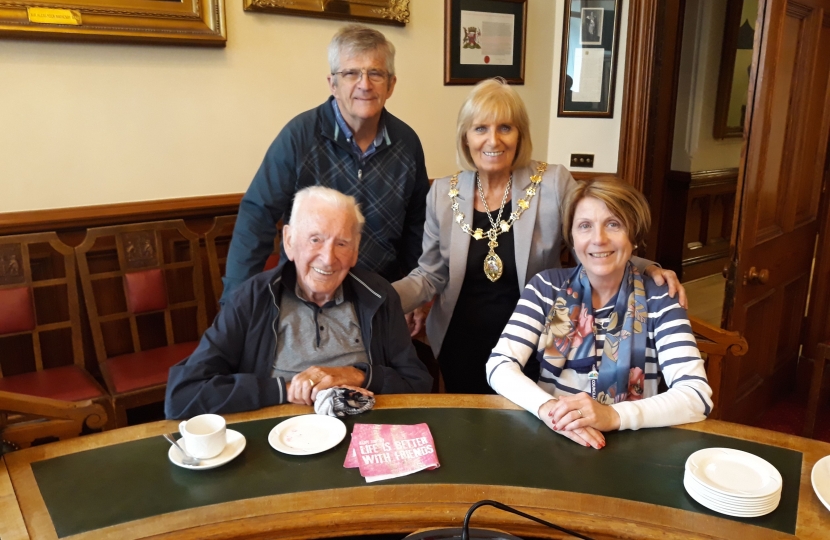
(342, 402)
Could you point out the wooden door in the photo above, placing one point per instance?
(779, 192)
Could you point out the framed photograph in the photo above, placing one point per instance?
(735, 63)
(590, 38)
(183, 22)
(484, 39)
(591, 28)
(394, 12)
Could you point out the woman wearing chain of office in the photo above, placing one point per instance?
(488, 230)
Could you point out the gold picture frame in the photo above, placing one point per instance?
(393, 12)
(182, 22)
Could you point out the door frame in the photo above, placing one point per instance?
(652, 65)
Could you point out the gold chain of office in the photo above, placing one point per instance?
(493, 266)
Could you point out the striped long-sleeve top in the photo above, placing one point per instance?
(671, 351)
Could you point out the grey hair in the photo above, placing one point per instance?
(357, 39)
(332, 198)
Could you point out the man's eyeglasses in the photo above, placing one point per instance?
(355, 75)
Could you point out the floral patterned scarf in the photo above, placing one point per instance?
(570, 337)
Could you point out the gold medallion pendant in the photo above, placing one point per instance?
(492, 266)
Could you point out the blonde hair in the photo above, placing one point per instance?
(623, 200)
(330, 197)
(493, 100)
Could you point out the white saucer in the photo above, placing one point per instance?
(234, 446)
(821, 480)
(734, 473)
(307, 434)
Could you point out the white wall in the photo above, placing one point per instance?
(86, 124)
(695, 149)
(598, 136)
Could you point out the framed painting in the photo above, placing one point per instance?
(735, 63)
(588, 70)
(484, 39)
(394, 12)
(183, 22)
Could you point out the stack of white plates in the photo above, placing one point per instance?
(732, 482)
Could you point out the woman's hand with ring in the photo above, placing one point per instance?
(586, 436)
(579, 411)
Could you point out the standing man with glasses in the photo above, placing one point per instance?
(350, 143)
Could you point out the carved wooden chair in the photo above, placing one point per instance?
(217, 242)
(145, 299)
(41, 349)
(822, 357)
(714, 344)
(28, 419)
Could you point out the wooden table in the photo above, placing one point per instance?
(402, 505)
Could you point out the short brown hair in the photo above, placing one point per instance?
(622, 199)
(495, 101)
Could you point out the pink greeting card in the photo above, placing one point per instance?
(383, 451)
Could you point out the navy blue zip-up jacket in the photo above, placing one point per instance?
(390, 185)
(230, 370)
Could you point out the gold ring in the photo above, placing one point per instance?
(313, 382)
(580, 413)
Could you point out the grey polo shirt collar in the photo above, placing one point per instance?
(336, 301)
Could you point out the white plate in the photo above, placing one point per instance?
(729, 499)
(235, 444)
(733, 472)
(693, 488)
(821, 480)
(728, 510)
(307, 434)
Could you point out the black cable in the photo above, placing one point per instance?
(465, 529)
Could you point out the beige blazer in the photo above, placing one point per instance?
(537, 237)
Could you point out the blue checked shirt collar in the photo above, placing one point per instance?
(342, 126)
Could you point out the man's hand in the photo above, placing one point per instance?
(304, 387)
(415, 321)
(661, 276)
(585, 436)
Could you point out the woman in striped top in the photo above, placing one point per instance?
(603, 333)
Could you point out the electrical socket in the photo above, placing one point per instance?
(582, 160)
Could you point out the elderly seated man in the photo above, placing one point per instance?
(313, 324)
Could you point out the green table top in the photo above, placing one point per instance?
(106, 486)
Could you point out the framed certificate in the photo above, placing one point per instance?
(484, 39)
(589, 58)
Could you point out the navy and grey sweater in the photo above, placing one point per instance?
(391, 186)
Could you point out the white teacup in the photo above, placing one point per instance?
(204, 435)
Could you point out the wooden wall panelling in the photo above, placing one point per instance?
(675, 219)
(71, 225)
(708, 224)
(82, 217)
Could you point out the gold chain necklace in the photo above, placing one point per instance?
(493, 266)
